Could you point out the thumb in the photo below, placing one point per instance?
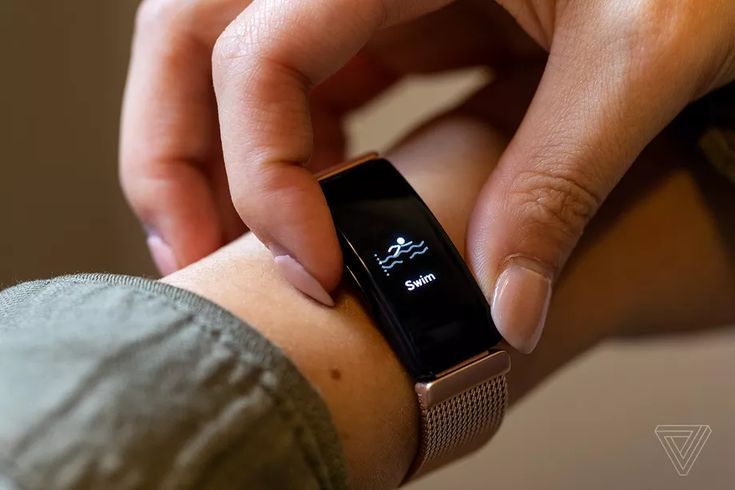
(594, 111)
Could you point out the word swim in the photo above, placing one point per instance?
(421, 281)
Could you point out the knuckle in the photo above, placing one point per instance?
(242, 58)
(235, 49)
(232, 44)
(154, 14)
(247, 35)
(666, 41)
(662, 30)
(169, 22)
(134, 195)
(557, 202)
(131, 185)
(126, 171)
(142, 185)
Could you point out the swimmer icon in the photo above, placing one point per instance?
(399, 252)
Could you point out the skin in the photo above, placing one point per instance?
(647, 289)
(198, 165)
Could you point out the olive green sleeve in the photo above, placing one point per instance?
(124, 383)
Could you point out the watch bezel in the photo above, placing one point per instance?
(390, 325)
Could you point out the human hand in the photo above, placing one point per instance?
(172, 165)
(617, 73)
(649, 288)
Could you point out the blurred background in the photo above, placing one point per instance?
(590, 426)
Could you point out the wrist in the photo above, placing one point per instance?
(338, 350)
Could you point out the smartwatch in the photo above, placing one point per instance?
(426, 303)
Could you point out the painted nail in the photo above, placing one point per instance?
(162, 254)
(300, 278)
(521, 302)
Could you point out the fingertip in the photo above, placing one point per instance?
(301, 279)
(162, 255)
(177, 209)
(285, 208)
(329, 270)
(520, 303)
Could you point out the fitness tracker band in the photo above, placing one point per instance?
(426, 303)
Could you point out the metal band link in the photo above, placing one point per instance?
(460, 411)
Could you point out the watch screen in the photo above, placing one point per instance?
(429, 305)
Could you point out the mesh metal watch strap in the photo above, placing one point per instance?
(460, 411)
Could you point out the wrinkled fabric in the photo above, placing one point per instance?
(112, 382)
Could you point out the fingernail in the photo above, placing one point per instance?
(521, 302)
(300, 278)
(162, 254)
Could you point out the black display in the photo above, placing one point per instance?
(427, 302)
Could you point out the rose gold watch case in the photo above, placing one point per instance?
(341, 167)
(473, 372)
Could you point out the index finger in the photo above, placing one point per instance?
(264, 65)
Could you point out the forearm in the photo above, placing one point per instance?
(633, 254)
